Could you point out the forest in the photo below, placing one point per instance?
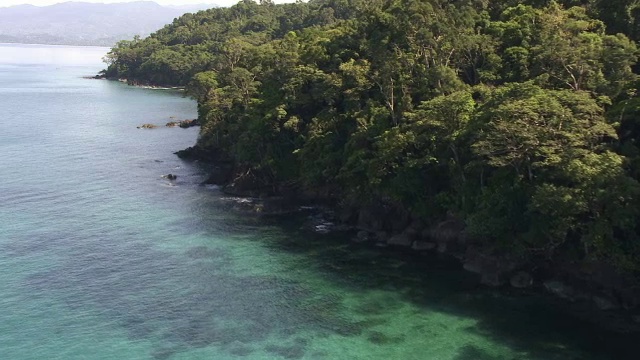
(520, 118)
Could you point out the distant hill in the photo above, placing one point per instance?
(78, 23)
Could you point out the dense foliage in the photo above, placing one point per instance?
(519, 117)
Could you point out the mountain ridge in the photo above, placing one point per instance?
(82, 23)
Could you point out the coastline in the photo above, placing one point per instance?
(136, 83)
(142, 266)
(54, 45)
(593, 292)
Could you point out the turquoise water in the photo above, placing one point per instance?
(102, 258)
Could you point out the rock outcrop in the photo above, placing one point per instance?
(183, 123)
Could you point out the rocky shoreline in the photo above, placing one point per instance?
(593, 291)
(184, 124)
(135, 83)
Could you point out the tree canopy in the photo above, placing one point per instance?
(519, 117)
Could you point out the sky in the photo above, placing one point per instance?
(4, 3)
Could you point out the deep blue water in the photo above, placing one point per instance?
(103, 258)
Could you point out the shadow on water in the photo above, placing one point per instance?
(195, 298)
(471, 352)
(529, 323)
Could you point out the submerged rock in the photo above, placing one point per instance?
(379, 338)
(147, 126)
(296, 351)
(163, 353)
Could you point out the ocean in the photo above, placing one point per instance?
(101, 257)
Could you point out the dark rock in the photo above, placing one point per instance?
(185, 153)
(415, 228)
(582, 292)
(382, 236)
(598, 277)
(564, 291)
(408, 236)
(629, 299)
(188, 153)
(275, 205)
(249, 183)
(473, 261)
(403, 239)
(371, 218)
(521, 280)
(278, 205)
(362, 236)
(448, 231)
(399, 220)
(492, 278)
(604, 303)
(219, 176)
(183, 124)
(342, 228)
(493, 269)
(420, 245)
(188, 123)
(347, 214)
(171, 176)
(209, 155)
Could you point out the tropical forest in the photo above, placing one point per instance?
(511, 126)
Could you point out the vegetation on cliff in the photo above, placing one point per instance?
(518, 117)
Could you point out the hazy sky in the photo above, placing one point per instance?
(4, 3)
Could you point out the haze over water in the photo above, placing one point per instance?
(102, 258)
